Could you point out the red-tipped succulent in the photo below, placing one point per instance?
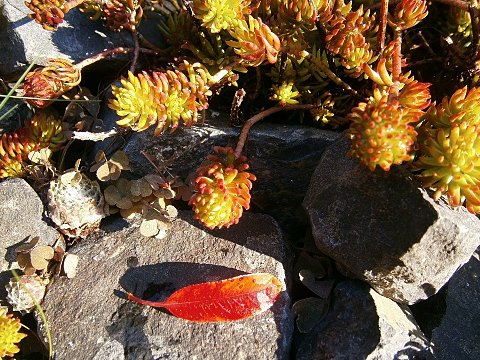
(222, 189)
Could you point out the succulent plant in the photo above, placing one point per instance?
(254, 42)
(10, 334)
(48, 13)
(222, 189)
(381, 133)
(161, 98)
(449, 154)
(75, 204)
(285, 94)
(408, 13)
(217, 15)
(26, 290)
(42, 131)
(346, 38)
(50, 82)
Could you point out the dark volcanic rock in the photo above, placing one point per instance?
(89, 320)
(458, 335)
(382, 228)
(362, 324)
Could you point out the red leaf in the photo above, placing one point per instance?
(230, 299)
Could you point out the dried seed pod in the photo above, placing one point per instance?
(24, 292)
(76, 206)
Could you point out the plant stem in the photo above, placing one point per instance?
(397, 60)
(104, 54)
(136, 51)
(332, 76)
(261, 115)
(383, 25)
(457, 3)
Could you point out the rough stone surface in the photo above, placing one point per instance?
(89, 320)
(76, 38)
(282, 157)
(364, 325)
(382, 228)
(21, 218)
(15, 117)
(458, 335)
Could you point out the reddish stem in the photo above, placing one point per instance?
(383, 25)
(104, 54)
(136, 51)
(145, 302)
(397, 60)
(261, 115)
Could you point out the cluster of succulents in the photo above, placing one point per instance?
(42, 131)
(222, 189)
(10, 334)
(340, 61)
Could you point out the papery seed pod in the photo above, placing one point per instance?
(42, 131)
(381, 133)
(255, 42)
(10, 334)
(162, 98)
(408, 13)
(76, 206)
(222, 189)
(24, 292)
(48, 13)
(217, 15)
(50, 81)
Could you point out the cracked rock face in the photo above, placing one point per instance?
(90, 319)
(382, 228)
(364, 325)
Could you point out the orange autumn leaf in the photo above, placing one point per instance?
(230, 299)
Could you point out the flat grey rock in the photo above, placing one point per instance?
(21, 219)
(383, 228)
(89, 320)
(362, 324)
(458, 335)
(76, 39)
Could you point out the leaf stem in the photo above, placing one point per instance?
(145, 302)
(261, 115)
(136, 51)
(117, 50)
(332, 76)
(383, 25)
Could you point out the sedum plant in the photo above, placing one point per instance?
(342, 63)
(10, 334)
(222, 189)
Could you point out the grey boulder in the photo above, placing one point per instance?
(457, 337)
(362, 324)
(383, 228)
(89, 319)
